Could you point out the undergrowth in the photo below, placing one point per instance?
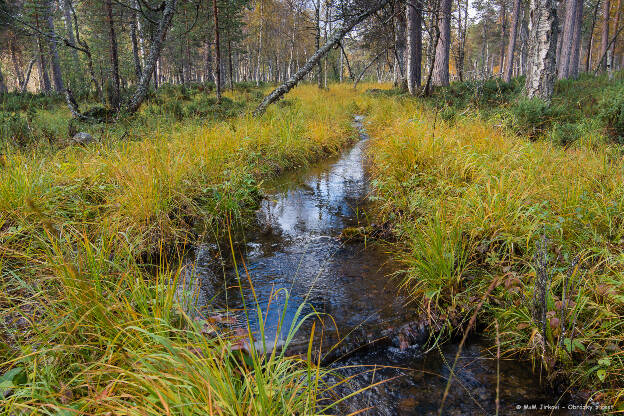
(84, 327)
(472, 202)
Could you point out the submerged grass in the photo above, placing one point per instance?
(83, 327)
(472, 202)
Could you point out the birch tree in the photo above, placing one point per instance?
(541, 69)
(413, 17)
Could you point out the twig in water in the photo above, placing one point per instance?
(473, 319)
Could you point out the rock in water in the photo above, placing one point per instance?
(82, 138)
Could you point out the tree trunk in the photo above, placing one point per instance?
(230, 66)
(215, 11)
(441, 67)
(67, 13)
(604, 39)
(575, 55)
(44, 78)
(114, 60)
(3, 87)
(27, 77)
(590, 40)
(57, 76)
(317, 40)
(511, 46)
(259, 45)
(616, 28)
(153, 56)
(333, 40)
(413, 17)
(16, 64)
(541, 71)
(134, 27)
(567, 39)
(503, 19)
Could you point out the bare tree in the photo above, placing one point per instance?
(413, 17)
(541, 69)
(441, 65)
(511, 44)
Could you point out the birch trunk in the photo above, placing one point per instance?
(541, 71)
(134, 27)
(154, 55)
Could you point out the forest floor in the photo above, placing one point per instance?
(476, 184)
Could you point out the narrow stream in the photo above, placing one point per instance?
(297, 249)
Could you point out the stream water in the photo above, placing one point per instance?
(297, 250)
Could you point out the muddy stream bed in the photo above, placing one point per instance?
(296, 247)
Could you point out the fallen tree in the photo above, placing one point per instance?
(333, 41)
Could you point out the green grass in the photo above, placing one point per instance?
(85, 324)
(471, 201)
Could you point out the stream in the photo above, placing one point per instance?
(294, 263)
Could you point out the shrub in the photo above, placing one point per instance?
(531, 116)
(14, 128)
(611, 112)
(565, 133)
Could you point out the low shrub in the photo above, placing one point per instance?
(611, 112)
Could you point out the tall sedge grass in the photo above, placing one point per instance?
(470, 201)
(84, 328)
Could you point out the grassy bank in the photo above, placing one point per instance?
(83, 328)
(472, 202)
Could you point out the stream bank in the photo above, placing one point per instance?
(297, 250)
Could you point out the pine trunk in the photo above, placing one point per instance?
(511, 46)
(441, 65)
(215, 12)
(575, 55)
(114, 60)
(567, 38)
(604, 39)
